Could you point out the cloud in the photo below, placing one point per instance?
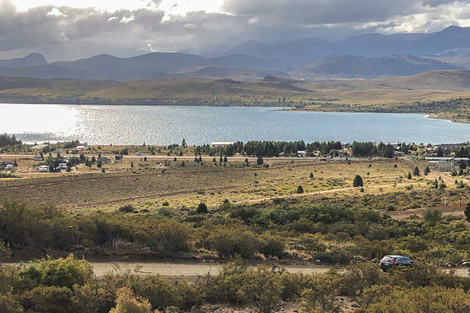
(55, 12)
(71, 33)
(318, 11)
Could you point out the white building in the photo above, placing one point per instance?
(220, 144)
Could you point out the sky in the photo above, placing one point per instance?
(70, 30)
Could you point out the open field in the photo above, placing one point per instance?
(148, 184)
(157, 227)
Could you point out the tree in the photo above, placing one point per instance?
(358, 181)
(300, 189)
(467, 212)
(311, 175)
(427, 171)
(183, 143)
(409, 175)
(51, 163)
(201, 208)
(225, 159)
(440, 152)
(416, 171)
(259, 161)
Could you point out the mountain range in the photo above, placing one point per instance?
(371, 55)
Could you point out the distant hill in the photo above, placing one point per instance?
(216, 71)
(438, 80)
(34, 59)
(365, 56)
(302, 52)
(148, 66)
(352, 66)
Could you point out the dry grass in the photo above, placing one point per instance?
(148, 185)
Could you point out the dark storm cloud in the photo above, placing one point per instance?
(71, 33)
(319, 11)
(436, 3)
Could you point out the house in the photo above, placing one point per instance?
(220, 144)
(444, 167)
(445, 164)
(461, 160)
(38, 147)
(82, 147)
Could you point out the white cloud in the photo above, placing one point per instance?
(60, 30)
(56, 12)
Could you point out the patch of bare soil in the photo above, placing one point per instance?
(446, 210)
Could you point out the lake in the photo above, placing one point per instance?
(163, 125)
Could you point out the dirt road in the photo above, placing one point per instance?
(191, 271)
(198, 269)
(181, 270)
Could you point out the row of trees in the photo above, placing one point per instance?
(275, 148)
(363, 149)
(7, 140)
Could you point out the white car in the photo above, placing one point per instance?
(43, 168)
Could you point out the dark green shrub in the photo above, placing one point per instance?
(8, 304)
(59, 272)
(50, 299)
(272, 246)
(231, 241)
(202, 208)
(127, 208)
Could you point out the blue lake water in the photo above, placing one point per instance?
(162, 125)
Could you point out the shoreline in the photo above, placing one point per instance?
(272, 106)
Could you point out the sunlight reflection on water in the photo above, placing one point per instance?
(169, 124)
